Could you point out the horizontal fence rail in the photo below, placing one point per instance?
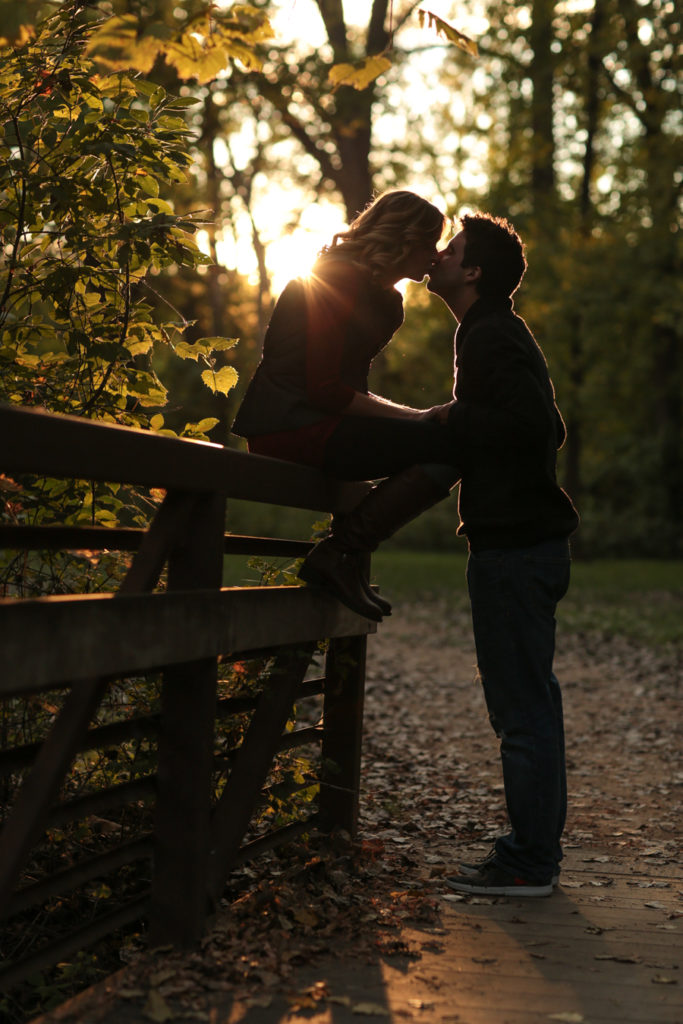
(68, 446)
(187, 815)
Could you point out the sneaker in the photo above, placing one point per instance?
(469, 868)
(492, 880)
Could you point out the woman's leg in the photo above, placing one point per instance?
(408, 455)
(369, 447)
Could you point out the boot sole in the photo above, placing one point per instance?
(318, 581)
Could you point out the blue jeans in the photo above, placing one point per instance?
(514, 594)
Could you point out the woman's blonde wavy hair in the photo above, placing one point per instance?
(388, 230)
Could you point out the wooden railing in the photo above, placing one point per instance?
(82, 643)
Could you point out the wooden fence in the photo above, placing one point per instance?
(82, 644)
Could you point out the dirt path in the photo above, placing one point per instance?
(343, 931)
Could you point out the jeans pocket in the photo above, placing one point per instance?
(550, 575)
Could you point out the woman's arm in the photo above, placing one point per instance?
(374, 405)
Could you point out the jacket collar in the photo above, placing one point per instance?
(484, 305)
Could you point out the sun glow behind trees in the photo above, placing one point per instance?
(292, 225)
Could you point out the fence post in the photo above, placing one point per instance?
(342, 733)
(179, 903)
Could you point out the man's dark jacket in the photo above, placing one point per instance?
(508, 429)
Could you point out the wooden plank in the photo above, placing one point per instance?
(94, 867)
(101, 801)
(14, 972)
(342, 733)
(185, 762)
(52, 445)
(70, 538)
(74, 638)
(101, 538)
(41, 786)
(94, 739)
(234, 810)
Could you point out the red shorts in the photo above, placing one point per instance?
(305, 445)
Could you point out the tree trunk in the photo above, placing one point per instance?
(542, 70)
(574, 450)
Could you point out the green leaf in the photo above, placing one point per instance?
(217, 344)
(181, 102)
(207, 424)
(220, 381)
(186, 351)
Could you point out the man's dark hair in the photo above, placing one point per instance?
(493, 244)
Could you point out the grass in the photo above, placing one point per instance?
(638, 598)
(641, 599)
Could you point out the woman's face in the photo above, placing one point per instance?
(417, 263)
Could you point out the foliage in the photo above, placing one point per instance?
(198, 39)
(89, 159)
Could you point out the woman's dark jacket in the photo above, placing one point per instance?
(506, 429)
(324, 333)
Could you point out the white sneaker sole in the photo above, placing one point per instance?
(499, 890)
(470, 869)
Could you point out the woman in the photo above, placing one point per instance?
(308, 401)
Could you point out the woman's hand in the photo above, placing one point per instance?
(437, 412)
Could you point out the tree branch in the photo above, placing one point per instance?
(274, 95)
(377, 38)
(332, 14)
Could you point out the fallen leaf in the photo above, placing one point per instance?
(159, 977)
(156, 1008)
(420, 1004)
(305, 916)
(663, 979)
(370, 1010)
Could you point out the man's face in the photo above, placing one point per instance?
(448, 275)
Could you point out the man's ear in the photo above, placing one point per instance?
(473, 274)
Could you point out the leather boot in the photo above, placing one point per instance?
(389, 505)
(338, 572)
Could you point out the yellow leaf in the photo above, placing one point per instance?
(359, 74)
(221, 380)
(449, 31)
(117, 44)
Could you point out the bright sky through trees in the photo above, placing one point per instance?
(292, 251)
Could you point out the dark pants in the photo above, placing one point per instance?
(514, 594)
(369, 447)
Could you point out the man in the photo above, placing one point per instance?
(506, 429)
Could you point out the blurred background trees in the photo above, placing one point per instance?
(568, 122)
